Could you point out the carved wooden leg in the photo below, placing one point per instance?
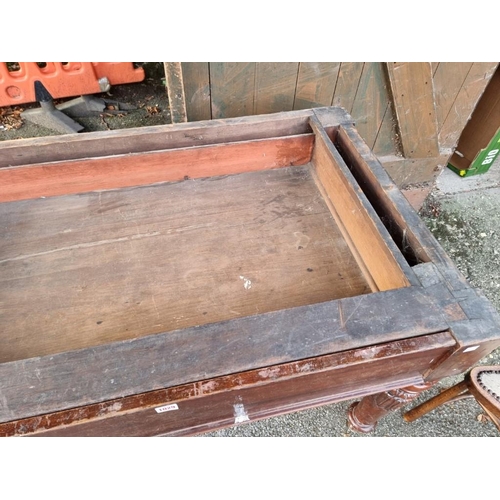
(363, 415)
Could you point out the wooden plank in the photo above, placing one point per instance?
(356, 215)
(408, 171)
(175, 90)
(413, 97)
(465, 102)
(275, 85)
(448, 79)
(232, 86)
(122, 264)
(161, 137)
(407, 228)
(196, 76)
(371, 101)
(435, 66)
(387, 141)
(347, 84)
(80, 176)
(296, 386)
(40, 385)
(316, 84)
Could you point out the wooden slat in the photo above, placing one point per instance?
(413, 96)
(465, 102)
(387, 141)
(80, 176)
(356, 215)
(448, 80)
(232, 88)
(371, 101)
(275, 85)
(75, 378)
(347, 84)
(196, 76)
(175, 90)
(316, 84)
(298, 385)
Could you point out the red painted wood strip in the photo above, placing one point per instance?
(80, 176)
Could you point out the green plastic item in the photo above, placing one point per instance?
(483, 161)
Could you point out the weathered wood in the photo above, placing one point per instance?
(175, 90)
(79, 377)
(275, 85)
(298, 385)
(408, 230)
(387, 141)
(196, 78)
(353, 212)
(465, 102)
(408, 171)
(413, 96)
(211, 250)
(80, 176)
(161, 137)
(316, 84)
(448, 78)
(232, 89)
(370, 103)
(347, 84)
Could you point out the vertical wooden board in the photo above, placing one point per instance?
(467, 98)
(387, 141)
(347, 84)
(370, 102)
(448, 79)
(275, 85)
(435, 66)
(197, 90)
(316, 84)
(175, 90)
(413, 96)
(232, 88)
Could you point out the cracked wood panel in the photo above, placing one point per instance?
(413, 96)
(121, 264)
(316, 84)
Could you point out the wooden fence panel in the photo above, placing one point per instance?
(275, 85)
(197, 90)
(410, 114)
(316, 84)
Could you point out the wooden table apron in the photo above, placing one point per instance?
(410, 320)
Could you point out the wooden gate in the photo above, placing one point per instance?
(410, 114)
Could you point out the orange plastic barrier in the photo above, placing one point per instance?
(62, 79)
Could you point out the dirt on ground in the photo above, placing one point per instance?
(128, 105)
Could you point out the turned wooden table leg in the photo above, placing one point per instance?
(363, 415)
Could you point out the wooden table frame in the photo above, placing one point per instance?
(420, 322)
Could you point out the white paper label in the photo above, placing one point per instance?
(471, 348)
(165, 408)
